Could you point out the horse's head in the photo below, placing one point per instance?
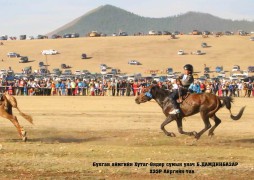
(145, 95)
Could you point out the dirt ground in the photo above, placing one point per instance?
(72, 134)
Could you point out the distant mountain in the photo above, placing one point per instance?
(110, 19)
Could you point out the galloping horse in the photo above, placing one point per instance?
(6, 104)
(206, 104)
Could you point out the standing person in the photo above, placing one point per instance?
(128, 88)
(123, 87)
(16, 85)
(230, 88)
(48, 87)
(109, 88)
(195, 87)
(224, 87)
(73, 86)
(245, 89)
(215, 88)
(135, 88)
(185, 83)
(113, 87)
(202, 87)
(239, 89)
(252, 88)
(58, 90)
(80, 87)
(249, 88)
(25, 90)
(42, 87)
(53, 88)
(21, 86)
(85, 89)
(63, 88)
(118, 87)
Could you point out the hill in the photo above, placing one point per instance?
(110, 19)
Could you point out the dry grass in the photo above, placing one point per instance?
(70, 133)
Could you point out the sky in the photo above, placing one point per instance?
(33, 17)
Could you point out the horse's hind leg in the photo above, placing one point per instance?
(180, 128)
(206, 122)
(13, 119)
(217, 122)
(169, 119)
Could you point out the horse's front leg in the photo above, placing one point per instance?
(180, 127)
(13, 119)
(168, 120)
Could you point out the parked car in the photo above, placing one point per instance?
(152, 32)
(103, 66)
(41, 64)
(236, 68)
(206, 70)
(134, 62)
(83, 56)
(123, 34)
(27, 70)
(170, 70)
(180, 52)
(23, 59)
(77, 72)
(67, 72)
(251, 69)
(12, 54)
(203, 45)
(49, 52)
(115, 71)
(219, 69)
(207, 75)
(84, 72)
(64, 66)
(103, 71)
(57, 71)
(199, 52)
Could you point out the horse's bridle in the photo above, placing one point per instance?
(149, 95)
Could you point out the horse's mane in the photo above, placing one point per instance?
(160, 92)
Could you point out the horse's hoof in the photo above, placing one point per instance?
(197, 136)
(24, 139)
(172, 135)
(23, 132)
(194, 133)
(211, 134)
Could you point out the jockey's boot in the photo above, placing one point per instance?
(174, 111)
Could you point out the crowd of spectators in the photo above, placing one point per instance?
(117, 88)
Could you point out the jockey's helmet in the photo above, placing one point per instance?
(188, 67)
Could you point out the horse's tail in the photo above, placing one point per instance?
(226, 101)
(12, 100)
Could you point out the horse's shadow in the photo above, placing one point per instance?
(251, 140)
(54, 136)
(56, 140)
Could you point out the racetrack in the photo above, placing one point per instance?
(70, 133)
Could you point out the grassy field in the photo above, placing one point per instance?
(70, 134)
(154, 52)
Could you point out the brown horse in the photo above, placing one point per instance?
(6, 104)
(206, 104)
